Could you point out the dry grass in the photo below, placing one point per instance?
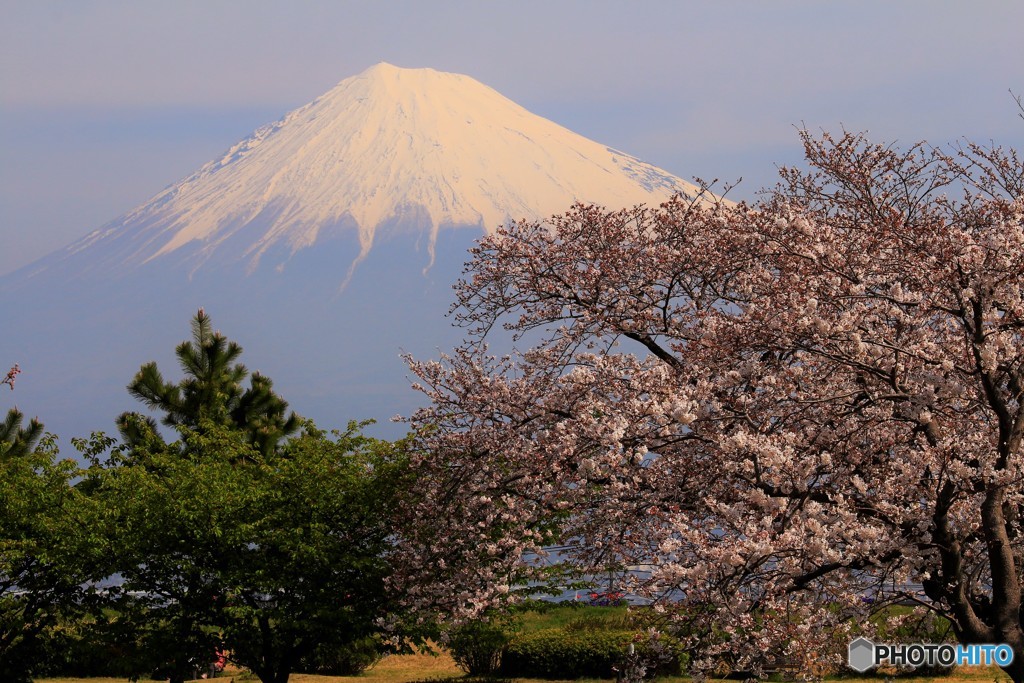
(394, 669)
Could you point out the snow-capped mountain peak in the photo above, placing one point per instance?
(377, 173)
(395, 149)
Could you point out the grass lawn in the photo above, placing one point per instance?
(405, 668)
(419, 667)
(393, 669)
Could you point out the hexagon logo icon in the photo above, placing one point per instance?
(861, 655)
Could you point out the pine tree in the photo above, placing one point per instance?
(15, 440)
(211, 392)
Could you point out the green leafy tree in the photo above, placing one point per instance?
(312, 571)
(48, 548)
(267, 557)
(233, 537)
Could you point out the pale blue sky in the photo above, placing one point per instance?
(103, 103)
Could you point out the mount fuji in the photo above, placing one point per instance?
(326, 243)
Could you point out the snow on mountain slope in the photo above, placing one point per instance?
(403, 150)
(376, 173)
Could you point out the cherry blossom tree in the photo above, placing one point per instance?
(790, 413)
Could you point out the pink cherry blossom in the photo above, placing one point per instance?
(814, 408)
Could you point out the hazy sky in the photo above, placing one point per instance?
(104, 103)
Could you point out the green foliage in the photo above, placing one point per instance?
(602, 619)
(560, 654)
(211, 392)
(539, 614)
(317, 543)
(272, 555)
(48, 545)
(906, 624)
(571, 640)
(234, 538)
(15, 440)
(346, 659)
(89, 647)
(477, 646)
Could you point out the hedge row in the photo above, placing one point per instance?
(561, 654)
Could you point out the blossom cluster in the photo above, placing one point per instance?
(12, 376)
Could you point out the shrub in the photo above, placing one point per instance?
(556, 653)
(477, 647)
(570, 640)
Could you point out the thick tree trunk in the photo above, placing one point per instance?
(1016, 670)
(1006, 592)
(271, 675)
(276, 658)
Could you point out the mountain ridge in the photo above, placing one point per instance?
(392, 149)
(386, 178)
